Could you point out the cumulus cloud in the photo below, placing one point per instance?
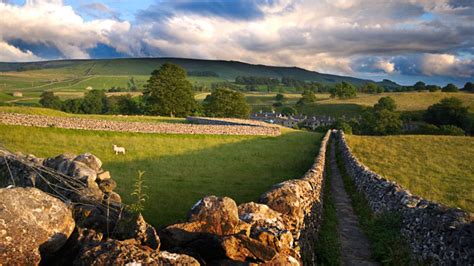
(52, 23)
(446, 65)
(11, 53)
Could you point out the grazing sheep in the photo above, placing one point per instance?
(118, 150)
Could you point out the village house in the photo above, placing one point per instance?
(17, 94)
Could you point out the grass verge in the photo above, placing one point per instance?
(438, 168)
(383, 230)
(328, 247)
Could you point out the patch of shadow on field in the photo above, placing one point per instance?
(243, 171)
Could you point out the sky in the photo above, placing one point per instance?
(400, 40)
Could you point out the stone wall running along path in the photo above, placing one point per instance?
(206, 126)
(437, 234)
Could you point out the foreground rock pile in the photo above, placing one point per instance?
(437, 234)
(200, 126)
(63, 209)
(84, 222)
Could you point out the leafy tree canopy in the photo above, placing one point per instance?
(387, 103)
(49, 100)
(226, 103)
(169, 93)
(343, 90)
(469, 87)
(450, 88)
(449, 111)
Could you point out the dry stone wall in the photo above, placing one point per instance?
(437, 234)
(206, 126)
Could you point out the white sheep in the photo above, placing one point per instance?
(118, 150)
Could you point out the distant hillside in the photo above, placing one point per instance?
(144, 66)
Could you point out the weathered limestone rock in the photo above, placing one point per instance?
(242, 248)
(220, 216)
(103, 175)
(82, 172)
(31, 221)
(114, 197)
(267, 225)
(114, 252)
(90, 160)
(132, 225)
(60, 163)
(107, 185)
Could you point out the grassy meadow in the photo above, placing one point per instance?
(438, 168)
(180, 169)
(406, 101)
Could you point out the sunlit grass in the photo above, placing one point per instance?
(180, 169)
(438, 168)
(408, 101)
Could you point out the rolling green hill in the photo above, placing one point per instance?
(144, 66)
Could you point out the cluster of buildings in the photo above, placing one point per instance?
(294, 121)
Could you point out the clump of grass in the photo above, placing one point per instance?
(383, 230)
(328, 247)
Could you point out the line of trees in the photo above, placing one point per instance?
(167, 93)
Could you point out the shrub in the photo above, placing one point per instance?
(226, 103)
(49, 100)
(343, 90)
(449, 111)
(450, 88)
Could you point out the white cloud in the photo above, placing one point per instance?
(446, 65)
(385, 65)
(51, 23)
(10, 53)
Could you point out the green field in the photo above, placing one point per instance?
(438, 168)
(180, 169)
(407, 101)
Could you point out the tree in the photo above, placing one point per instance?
(226, 103)
(95, 102)
(342, 125)
(168, 92)
(433, 88)
(449, 111)
(343, 90)
(132, 85)
(420, 86)
(49, 100)
(288, 110)
(381, 122)
(382, 118)
(372, 88)
(72, 106)
(450, 88)
(387, 103)
(123, 104)
(469, 87)
(307, 97)
(280, 97)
